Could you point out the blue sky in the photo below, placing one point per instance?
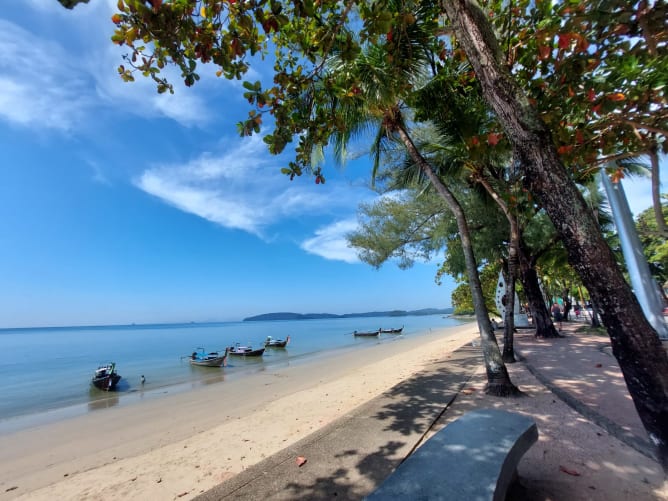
(119, 205)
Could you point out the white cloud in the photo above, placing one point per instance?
(63, 84)
(330, 242)
(242, 188)
(187, 106)
(39, 87)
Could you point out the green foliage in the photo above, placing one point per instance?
(405, 227)
(462, 301)
(489, 233)
(596, 71)
(655, 246)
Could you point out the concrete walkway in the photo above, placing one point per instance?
(581, 370)
(578, 457)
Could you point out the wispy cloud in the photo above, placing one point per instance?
(187, 106)
(98, 174)
(330, 242)
(242, 188)
(57, 86)
(39, 86)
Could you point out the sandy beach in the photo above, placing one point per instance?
(181, 445)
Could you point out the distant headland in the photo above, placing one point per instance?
(311, 316)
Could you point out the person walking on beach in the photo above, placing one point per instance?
(556, 313)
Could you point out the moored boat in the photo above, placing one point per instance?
(245, 351)
(270, 342)
(366, 334)
(392, 331)
(105, 377)
(211, 359)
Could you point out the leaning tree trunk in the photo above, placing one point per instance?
(635, 343)
(498, 380)
(542, 320)
(513, 252)
(656, 192)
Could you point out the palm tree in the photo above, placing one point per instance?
(379, 78)
(478, 150)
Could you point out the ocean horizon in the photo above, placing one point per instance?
(252, 318)
(46, 371)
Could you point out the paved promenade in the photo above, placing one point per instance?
(591, 445)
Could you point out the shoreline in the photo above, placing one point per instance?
(236, 370)
(181, 444)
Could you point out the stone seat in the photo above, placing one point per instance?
(473, 458)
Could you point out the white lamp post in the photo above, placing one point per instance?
(644, 286)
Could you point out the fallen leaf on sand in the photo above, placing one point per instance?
(301, 460)
(569, 471)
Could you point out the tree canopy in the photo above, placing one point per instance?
(571, 84)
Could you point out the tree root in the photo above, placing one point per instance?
(503, 390)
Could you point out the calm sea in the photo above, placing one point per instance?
(45, 373)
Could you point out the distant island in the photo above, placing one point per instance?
(311, 316)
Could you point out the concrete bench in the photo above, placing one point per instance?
(473, 458)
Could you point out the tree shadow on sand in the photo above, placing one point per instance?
(344, 482)
(415, 404)
(410, 409)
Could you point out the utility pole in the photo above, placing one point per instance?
(644, 286)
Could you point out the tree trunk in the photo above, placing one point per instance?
(508, 353)
(635, 343)
(656, 192)
(498, 380)
(542, 320)
(595, 322)
(566, 299)
(509, 303)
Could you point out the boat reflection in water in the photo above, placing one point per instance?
(102, 401)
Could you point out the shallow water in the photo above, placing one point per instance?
(45, 372)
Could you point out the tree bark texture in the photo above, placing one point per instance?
(542, 320)
(656, 192)
(498, 379)
(508, 354)
(635, 343)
